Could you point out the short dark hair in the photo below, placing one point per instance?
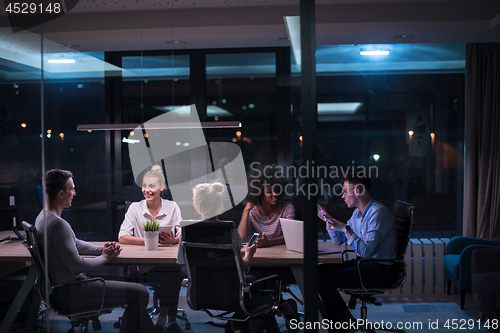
(55, 181)
(260, 178)
(359, 180)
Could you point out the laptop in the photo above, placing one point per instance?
(293, 231)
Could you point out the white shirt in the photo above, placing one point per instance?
(138, 213)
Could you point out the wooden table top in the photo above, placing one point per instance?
(14, 250)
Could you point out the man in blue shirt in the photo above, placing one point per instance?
(371, 233)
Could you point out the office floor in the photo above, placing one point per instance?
(418, 314)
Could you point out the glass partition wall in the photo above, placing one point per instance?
(396, 117)
(20, 123)
(399, 116)
(124, 64)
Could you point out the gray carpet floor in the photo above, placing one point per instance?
(426, 313)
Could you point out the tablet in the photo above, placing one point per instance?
(322, 211)
(166, 229)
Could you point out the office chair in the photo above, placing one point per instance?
(458, 262)
(215, 279)
(78, 317)
(403, 220)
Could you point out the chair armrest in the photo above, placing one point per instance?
(86, 281)
(346, 251)
(258, 300)
(485, 260)
(254, 286)
(393, 261)
(267, 278)
(465, 264)
(457, 244)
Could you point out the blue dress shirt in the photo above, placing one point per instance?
(374, 232)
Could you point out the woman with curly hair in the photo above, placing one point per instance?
(264, 208)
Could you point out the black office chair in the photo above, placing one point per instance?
(403, 219)
(78, 317)
(215, 279)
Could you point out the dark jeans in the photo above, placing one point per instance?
(76, 297)
(346, 275)
(166, 281)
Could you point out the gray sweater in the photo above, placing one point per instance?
(64, 261)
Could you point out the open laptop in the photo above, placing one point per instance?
(293, 231)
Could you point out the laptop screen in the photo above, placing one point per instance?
(293, 232)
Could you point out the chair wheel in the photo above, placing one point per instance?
(116, 324)
(188, 326)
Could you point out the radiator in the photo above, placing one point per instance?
(424, 270)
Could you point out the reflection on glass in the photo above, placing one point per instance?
(398, 115)
(242, 87)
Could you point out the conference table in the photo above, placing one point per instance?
(12, 251)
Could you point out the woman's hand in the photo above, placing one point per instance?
(243, 228)
(249, 251)
(167, 238)
(246, 255)
(262, 241)
(249, 206)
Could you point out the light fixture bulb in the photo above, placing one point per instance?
(61, 61)
(374, 52)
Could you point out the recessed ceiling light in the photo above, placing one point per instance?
(403, 37)
(175, 42)
(338, 108)
(374, 52)
(61, 61)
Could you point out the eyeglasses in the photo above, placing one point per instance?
(349, 191)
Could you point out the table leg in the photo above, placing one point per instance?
(298, 273)
(33, 311)
(19, 300)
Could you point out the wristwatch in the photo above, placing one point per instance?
(346, 228)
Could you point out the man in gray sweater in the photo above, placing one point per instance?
(65, 264)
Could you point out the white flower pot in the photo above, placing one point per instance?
(151, 240)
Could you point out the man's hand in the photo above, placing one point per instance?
(167, 239)
(323, 214)
(110, 251)
(333, 224)
(118, 248)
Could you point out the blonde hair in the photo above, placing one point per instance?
(158, 173)
(207, 199)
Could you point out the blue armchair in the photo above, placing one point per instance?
(457, 262)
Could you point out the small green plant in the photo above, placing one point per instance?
(151, 225)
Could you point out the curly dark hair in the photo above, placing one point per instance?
(260, 178)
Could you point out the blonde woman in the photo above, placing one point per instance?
(207, 201)
(166, 278)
